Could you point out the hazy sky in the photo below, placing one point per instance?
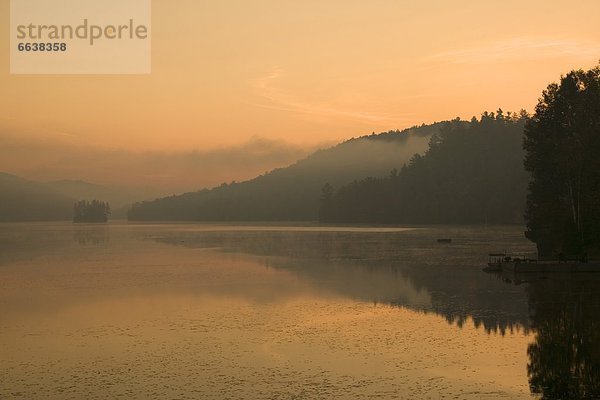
(306, 72)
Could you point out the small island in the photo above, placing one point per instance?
(91, 211)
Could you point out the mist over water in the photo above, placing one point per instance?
(224, 311)
(297, 200)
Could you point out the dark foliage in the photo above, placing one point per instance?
(564, 361)
(562, 143)
(94, 211)
(472, 173)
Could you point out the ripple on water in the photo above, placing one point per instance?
(138, 319)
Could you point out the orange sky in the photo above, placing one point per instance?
(307, 72)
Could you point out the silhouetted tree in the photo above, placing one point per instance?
(94, 211)
(562, 143)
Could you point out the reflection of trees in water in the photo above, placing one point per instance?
(92, 236)
(564, 313)
(564, 360)
(408, 269)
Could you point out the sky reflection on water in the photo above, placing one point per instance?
(188, 311)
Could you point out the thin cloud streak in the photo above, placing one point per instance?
(265, 87)
(522, 48)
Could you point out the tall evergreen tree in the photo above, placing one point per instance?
(562, 145)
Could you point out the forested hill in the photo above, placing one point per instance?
(292, 193)
(471, 173)
(23, 200)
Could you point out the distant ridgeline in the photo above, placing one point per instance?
(91, 211)
(24, 200)
(472, 173)
(292, 193)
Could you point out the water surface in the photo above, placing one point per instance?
(186, 311)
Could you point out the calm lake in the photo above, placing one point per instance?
(194, 311)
